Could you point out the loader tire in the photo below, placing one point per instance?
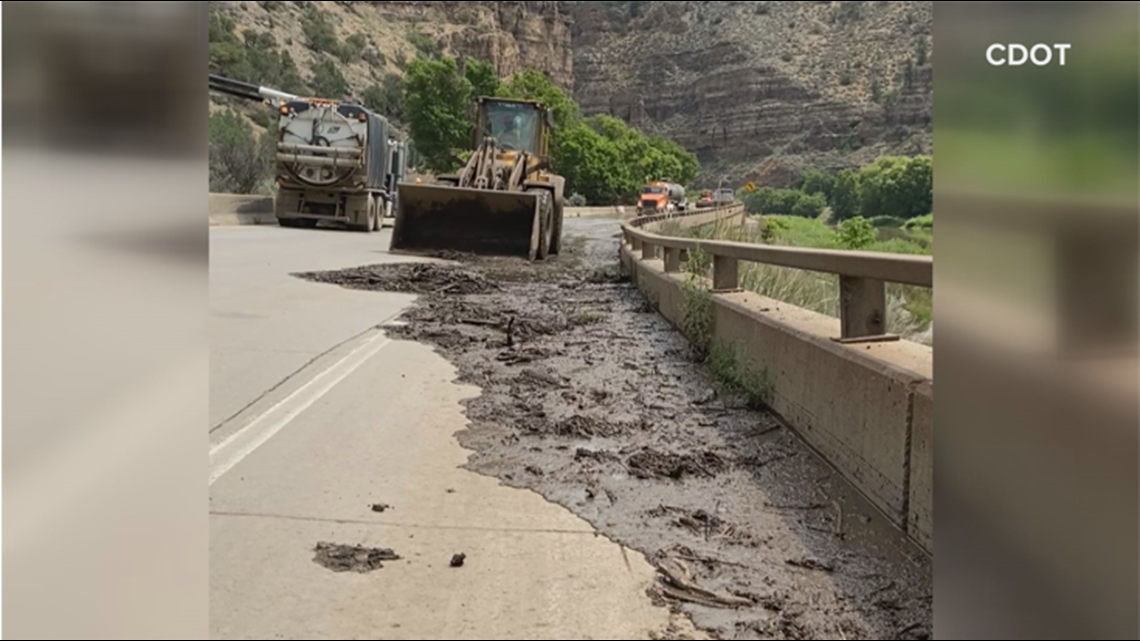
(556, 242)
(546, 223)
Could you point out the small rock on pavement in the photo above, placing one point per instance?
(381, 507)
(458, 560)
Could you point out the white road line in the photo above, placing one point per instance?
(225, 455)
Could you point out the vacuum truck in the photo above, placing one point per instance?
(334, 160)
(661, 198)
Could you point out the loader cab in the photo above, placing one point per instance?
(517, 125)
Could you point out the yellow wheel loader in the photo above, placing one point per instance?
(504, 202)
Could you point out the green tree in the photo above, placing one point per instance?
(534, 85)
(593, 166)
(484, 81)
(435, 101)
(897, 186)
(387, 97)
(845, 198)
(809, 205)
(688, 161)
(818, 182)
(645, 158)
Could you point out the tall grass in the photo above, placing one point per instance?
(909, 308)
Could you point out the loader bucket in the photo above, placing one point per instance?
(479, 221)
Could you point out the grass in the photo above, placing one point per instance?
(732, 372)
(696, 311)
(909, 308)
(734, 375)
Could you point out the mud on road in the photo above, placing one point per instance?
(594, 401)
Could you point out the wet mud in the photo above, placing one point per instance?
(350, 558)
(593, 400)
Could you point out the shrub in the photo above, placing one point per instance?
(767, 200)
(886, 222)
(425, 45)
(262, 118)
(576, 200)
(736, 377)
(237, 162)
(856, 233)
(848, 11)
(352, 49)
(328, 81)
(924, 223)
(319, 31)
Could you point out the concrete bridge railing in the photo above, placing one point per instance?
(862, 398)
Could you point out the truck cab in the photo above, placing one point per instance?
(654, 199)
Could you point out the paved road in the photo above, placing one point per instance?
(315, 416)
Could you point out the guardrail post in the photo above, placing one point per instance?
(672, 259)
(635, 244)
(648, 251)
(726, 274)
(863, 310)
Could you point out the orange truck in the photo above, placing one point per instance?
(660, 198)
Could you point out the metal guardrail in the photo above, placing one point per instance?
(862, 275)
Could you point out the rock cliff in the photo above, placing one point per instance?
(760, 90)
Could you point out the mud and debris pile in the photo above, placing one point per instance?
(352, 558)
(603, 408)
(406, 278)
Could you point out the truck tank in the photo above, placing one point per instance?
(333, 163)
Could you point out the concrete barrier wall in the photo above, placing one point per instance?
(920, 520)
(867, 409)
(240, 209)
(599, 212)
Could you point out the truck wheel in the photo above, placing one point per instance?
(369, 218)
(377, 215)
